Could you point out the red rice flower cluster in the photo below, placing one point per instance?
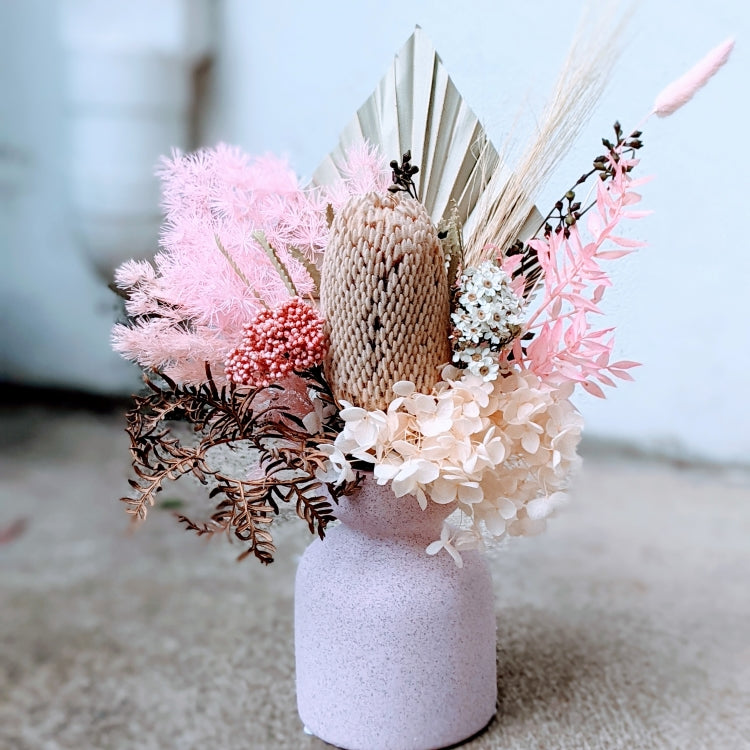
(278, 342)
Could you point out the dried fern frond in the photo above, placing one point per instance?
(504, 207)
(288, 454)
(244, 518)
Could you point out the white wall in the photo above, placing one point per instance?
(55, 313)
(91, 93)
(292, 74)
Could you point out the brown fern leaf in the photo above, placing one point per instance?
(316, 510)
(243, 514)
(202, 528)
(245, 508)
(155, 461)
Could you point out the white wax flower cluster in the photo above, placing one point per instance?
(503, 450)
(489, 315)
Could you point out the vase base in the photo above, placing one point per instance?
(452, 746)
(474, 736)
(396, 649)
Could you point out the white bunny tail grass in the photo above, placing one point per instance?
(507, 202)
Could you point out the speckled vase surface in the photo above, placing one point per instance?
(395, 648)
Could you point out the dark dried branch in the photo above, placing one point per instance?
(568, 210)
(403, 176)
(227, 415)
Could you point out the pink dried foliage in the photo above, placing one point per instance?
(364, 170)
(566, 346)
(190, 306)
(224, 194)
(278, 343)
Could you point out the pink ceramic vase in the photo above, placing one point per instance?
(395, 648)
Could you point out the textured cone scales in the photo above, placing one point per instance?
(385, 298)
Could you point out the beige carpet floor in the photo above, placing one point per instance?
(626, 626)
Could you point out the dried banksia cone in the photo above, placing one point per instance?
(385, 299)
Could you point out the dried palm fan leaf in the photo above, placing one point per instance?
(384, 288)
(417, 107)
(501, 215)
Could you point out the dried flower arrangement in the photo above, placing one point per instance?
(349, 325)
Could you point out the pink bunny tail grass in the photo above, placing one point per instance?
(682, 90)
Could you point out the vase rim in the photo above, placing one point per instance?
(375, 509)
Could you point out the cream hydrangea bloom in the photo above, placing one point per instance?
(502, 450)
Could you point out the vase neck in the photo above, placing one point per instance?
(374, 510)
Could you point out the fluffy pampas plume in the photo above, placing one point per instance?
(504, 207)
(682, 90)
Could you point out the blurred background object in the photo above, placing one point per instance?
(130, 96)
(94, 92)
